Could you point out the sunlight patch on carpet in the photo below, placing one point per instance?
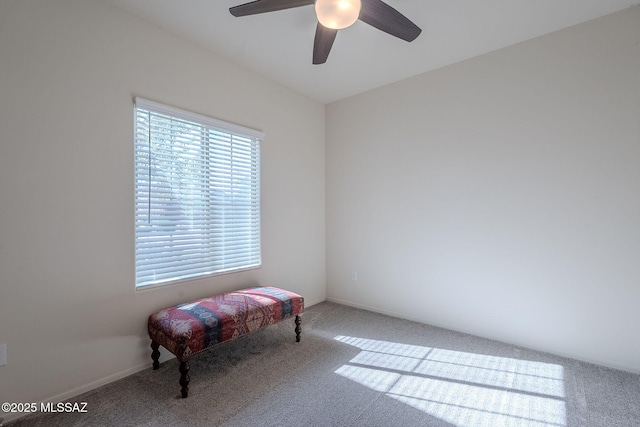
(464, 389)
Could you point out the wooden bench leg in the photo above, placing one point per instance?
(184, 379)
(298, 328)
(155, 354)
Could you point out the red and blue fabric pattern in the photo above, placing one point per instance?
(187, 329)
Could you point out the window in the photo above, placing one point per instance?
(197, 195)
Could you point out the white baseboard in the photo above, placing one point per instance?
(523, 345)
(68, 395)
(377, 310)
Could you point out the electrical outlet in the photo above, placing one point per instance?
(3, 354)
(354, 276)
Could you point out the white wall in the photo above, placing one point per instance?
(69, 70)
(499, 196)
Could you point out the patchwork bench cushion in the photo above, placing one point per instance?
(190, 328)
(187, 329)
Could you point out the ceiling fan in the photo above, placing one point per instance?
(334, 15)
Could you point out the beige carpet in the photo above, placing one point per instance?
(357, 368)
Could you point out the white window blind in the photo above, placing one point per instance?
(197, 195)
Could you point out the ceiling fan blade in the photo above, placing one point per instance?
(380, 15)
(263, 6)
(322, 43)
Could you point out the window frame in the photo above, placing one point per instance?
(213, 131)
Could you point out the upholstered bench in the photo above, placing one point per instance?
(190, 328)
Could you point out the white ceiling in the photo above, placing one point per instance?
(279, 44)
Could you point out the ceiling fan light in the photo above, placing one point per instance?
(337, 14)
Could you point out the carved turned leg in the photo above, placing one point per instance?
(298, 328)
(155, 354)
(184, 378)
